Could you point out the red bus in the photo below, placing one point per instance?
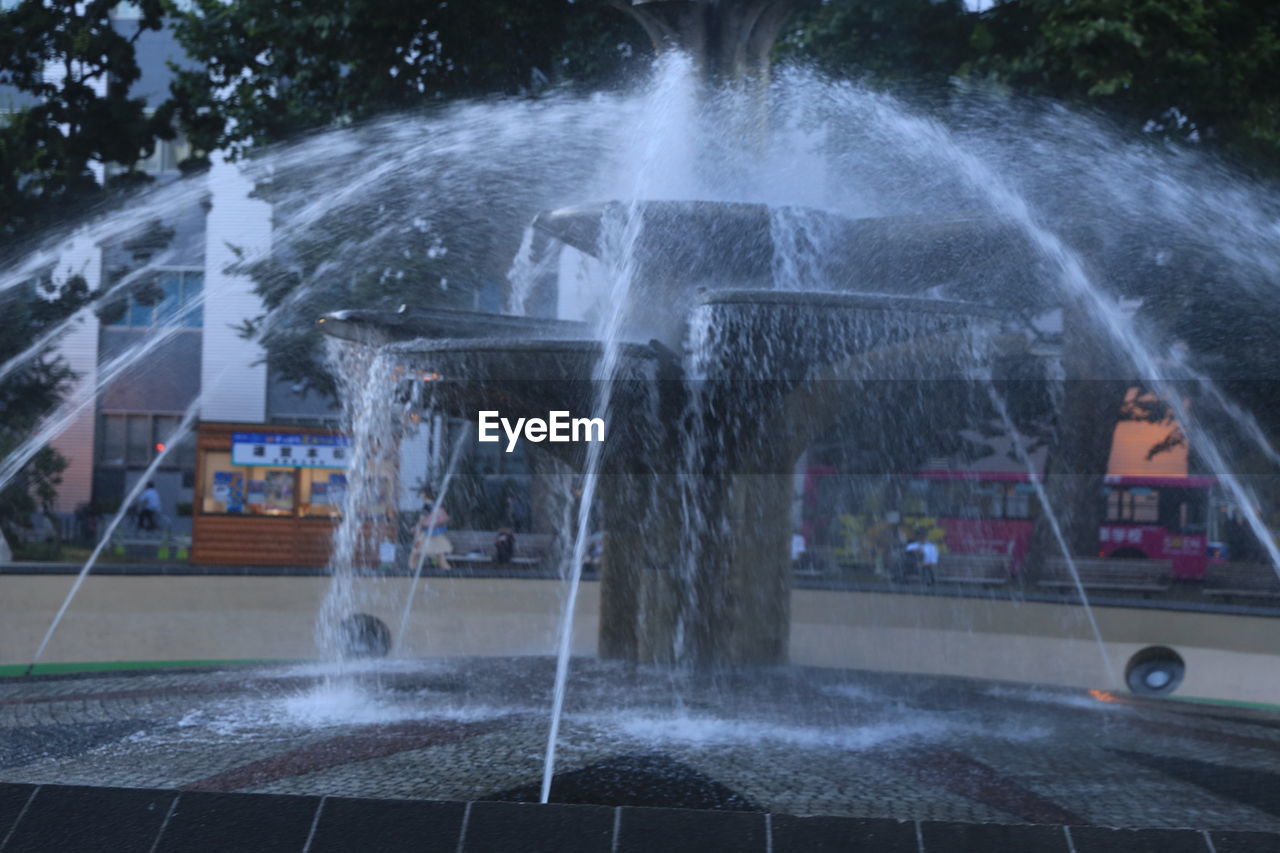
(1163, 518)
(993, 512)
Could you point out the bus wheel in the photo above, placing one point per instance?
(364, 636)
(1155, 671)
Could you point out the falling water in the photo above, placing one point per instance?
(525, 271)
(699, 346)
(116, 369)
(798, 254)
(366, 380)
(116, 219)
(1241, 418)
(395, 184)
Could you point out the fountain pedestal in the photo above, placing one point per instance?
(712, 596)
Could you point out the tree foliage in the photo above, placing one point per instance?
(30, 392)
(1196, 70)
(74, 65)
(916, 42)
(78, 66)
(1200, 71)
(271, 70)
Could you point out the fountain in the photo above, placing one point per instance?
(720, 338)
(717, 389)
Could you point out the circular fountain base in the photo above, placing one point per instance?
(789, 740)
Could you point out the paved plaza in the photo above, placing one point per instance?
(798, 741)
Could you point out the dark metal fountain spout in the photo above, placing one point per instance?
(729, 40)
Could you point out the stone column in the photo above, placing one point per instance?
(729, 40)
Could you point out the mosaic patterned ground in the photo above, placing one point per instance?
(799, 741)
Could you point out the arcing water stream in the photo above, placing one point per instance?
(930, 140)
(1034, 476)
(173, 440)
(460, 443)
(620, 233)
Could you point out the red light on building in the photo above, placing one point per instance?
(159, 447)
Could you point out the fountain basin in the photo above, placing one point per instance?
(685, 247)
(918, 748)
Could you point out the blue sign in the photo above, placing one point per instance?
(290, 450)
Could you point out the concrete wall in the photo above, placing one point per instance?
(225, 618)
(237, 618)
(1227, 656)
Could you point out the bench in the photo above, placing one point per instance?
(813, 563)
(1242, 580)
(977, 569)
(1126, 575)
(475, 548)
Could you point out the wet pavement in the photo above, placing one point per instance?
(787, 740)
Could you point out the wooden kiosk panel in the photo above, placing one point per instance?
(222, 541)
(281, 512)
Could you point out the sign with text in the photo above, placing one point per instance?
(286, 450)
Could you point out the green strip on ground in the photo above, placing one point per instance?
(17, 669)
(1233, 703)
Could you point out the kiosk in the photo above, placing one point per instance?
(267, 495)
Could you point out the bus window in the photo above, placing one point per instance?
(1020, 501)
(988, 499)
(1135, 505)
(942, 498)
(1184, 511)
(977, 501)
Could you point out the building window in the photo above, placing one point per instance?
(181, 305)
(164, 159)
(128, 440)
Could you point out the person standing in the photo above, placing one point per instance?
(149, 512)
(504, 546)
(888, 544)
(431, 538)
(926, 555)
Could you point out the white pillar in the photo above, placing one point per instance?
(234, 387)
(415, 461)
